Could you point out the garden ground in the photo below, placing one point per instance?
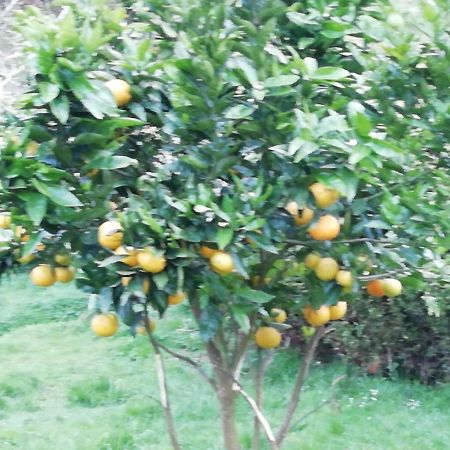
(63, 388)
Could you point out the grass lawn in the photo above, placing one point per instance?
(63, 388)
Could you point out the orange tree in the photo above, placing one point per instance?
(187, 151)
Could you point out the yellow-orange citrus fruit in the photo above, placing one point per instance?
(292, 208)
(150, 261)
(120, 90)
(344, 278)
(325, 229)
(5, 221)
(392, 287)
(327, 269)
(177, 298)
(40, 247)
(130, 254)
(140, 329)
(31, 148)
(311, 260)
(146, 286)
(207, 252)
(323, 195)
(278, 315)
(64, 274)
(304, 216)
(110, 234)
(267, 337)
(105, 325)
(43, 275)
(27, 259)
(317, 317)
(222, 263)
(62, 259)
(375, 288)
(125, 281)
(338, 311)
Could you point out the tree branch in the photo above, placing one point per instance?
(350, 241)
(163, 391)
(325, 402)
(299, 383)
(191, 362)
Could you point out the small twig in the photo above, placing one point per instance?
(349, 241)
(191, 362)
(258, 415)
(381, 275)
(332, 397)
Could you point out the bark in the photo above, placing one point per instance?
(299, 382)
(163, 391)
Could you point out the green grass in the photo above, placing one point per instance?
(63, 388)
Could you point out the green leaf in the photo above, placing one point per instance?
(254, 295)
(60, 108)
(239, 111)
(48, 91)
(330, 74)
(224, 237)
(94, 96)
(110, 162)
(361, 123)
(57, 194)
(36, 207)
(32, 243)
(281, 80)
(161, 280)
(241, 317)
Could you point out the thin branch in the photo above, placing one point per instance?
(258, 415)
(163, 391)
(191, 362)
(332, 397)
(261, 367)
(381, 275)
(350, 241)
(299, 383)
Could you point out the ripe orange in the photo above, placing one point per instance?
(317, 317)
(323, 195)
(31, 148)
(146, 286)
(177, 298)
(110, 234)
(304, 216)
(327, 269)
(5, 220)
(292, 208)
(105, 325)
(278, 315)
(125, 281)
(62, 259)
(375, 288)
(311, 260)
(27, 259)
(344, 278)
(338, 311)
(120, 90)
(207, 252)
(43, 275)
(140, 329)
(267, 337)
(64, 274)
(325, 229)
(392, 287)
(150, 261)
(222, 263)
(130, 254)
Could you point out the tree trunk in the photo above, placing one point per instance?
(226, 398)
